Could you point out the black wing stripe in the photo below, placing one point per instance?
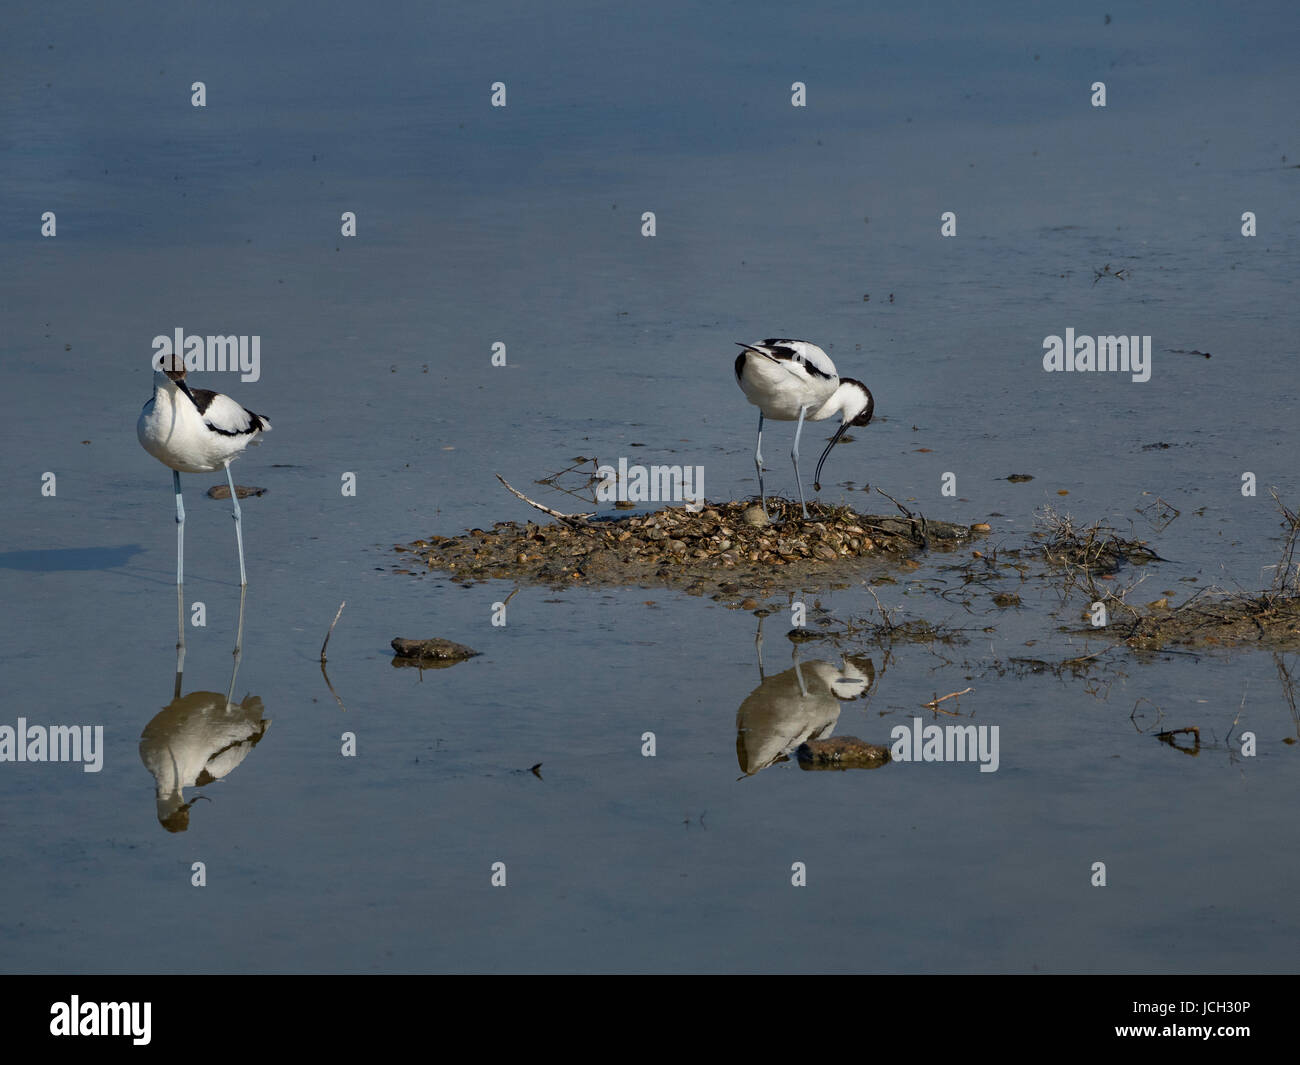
(780, 351)
(255, 426)
(783, 349)
(203, 398)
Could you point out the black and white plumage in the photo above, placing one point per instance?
(790, 380)
(194, 430)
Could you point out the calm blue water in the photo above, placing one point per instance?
(478, 225)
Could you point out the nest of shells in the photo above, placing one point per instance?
(679, 547)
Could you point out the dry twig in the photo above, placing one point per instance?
(331, 632)
(933, 704)
(568, 519)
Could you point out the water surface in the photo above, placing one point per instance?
(523, 226)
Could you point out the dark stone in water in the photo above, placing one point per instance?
(436, 649)
(841, 752)
(222, 491)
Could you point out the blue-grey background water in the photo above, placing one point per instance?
(523, 225)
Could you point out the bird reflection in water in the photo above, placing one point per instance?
(803, 703)
(199, 738)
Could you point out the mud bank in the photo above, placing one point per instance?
(1268, 622)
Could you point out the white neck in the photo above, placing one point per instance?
(849, 400)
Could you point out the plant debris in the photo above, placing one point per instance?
(1264, 620)
(1096, 549)
(1267, 619)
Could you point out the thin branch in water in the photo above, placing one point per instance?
(331, 687)
(1239, 710)
(1286, 581)
(1160, 713)
(1190, 730)
(331, 631)
(1288, 689)
(553, 481)
(933, 704)
(913, 518)
(889, 624)
(902, 509)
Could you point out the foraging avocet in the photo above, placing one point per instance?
(788, 380)
(193, 430)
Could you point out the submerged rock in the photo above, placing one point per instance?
(434, 650)
(222, 491)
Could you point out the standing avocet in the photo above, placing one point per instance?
(193, 430)
(788, 380)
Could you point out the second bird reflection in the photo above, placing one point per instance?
(801, 704)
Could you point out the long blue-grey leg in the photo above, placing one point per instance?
(180, 531)
(180, 563)
(239, 531)
(180, 670)
(794, 454)
(758, 463)
(239, 643)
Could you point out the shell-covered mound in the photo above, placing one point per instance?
(724, 541)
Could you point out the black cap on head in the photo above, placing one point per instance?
(172, 365)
